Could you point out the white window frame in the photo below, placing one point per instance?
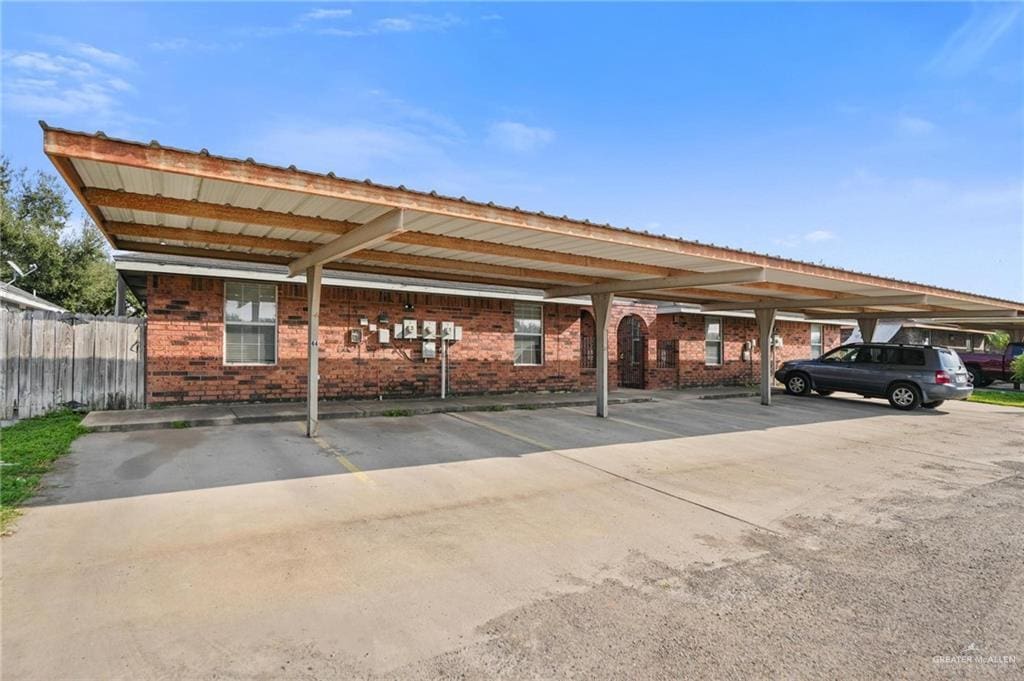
(516, 306)
(720, 341)
(821, 339)
(224, 331)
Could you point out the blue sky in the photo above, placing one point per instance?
(881, 137)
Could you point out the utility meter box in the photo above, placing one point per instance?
(457, 333)
(363, 321)
(429, 349)
(355, 335)
(448, 330)
(383, 336)
(409, 329)
(429, 330)
(398, 331)
(777, 341)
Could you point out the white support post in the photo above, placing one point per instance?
(602, 303)
(313, 350)
(867, 328)
(765, 331)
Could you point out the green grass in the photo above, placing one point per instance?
(397, 412)
(494, 407)
(1000, 397)
(180, 424)
(27, 450)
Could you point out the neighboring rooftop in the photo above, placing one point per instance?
(13, 297)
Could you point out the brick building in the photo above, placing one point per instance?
(524, 282)
(196, 352)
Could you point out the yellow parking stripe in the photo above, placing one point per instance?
(580, 410)
(342, 459)
(502, 431)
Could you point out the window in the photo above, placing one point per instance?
(529, 334)
(668, 352)
(816, 347)
(871, 354)
(712, 340)
(846, 353)
(250, 323)
(588, 341)
(904, 356)
(950, 360)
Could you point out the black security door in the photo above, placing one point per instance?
(632, 352)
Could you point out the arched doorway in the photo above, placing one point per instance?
(632, 347)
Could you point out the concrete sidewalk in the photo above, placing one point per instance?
(231, 414)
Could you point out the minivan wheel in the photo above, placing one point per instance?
(798, 384)
(932, 405)
(904, 396)
(977, 378)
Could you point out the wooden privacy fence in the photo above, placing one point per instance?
(53, 359)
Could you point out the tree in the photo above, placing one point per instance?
(75, 270)
(998, 340)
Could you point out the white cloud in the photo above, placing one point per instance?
(969, 44)
(519, 137)
(189, 45)
(404, 24)
(914, 126)
(73, 80)
(318, 22)
(819, 235)
(813, 237)
(89, 53)
(326, 14)
(96, 55)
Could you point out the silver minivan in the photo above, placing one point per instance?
(909, 376)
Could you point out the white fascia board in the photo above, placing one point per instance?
(334, 280)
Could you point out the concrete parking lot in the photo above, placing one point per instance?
(820, 537)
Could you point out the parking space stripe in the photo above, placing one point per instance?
(342, 459)
(655, 429)
(556, 452)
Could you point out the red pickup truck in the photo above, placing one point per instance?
(986, 367)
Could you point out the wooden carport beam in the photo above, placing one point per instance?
(738, 276)
(163, 205)
(364, 236)
(824, 303)
(919, 315)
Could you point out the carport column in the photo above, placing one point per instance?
(602, 303)
(867, 328)
(120, 301)
(765, 331)
(313, 350)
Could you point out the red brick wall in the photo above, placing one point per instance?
(185, 346)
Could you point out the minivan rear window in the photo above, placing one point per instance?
(950, 360)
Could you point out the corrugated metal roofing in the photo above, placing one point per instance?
(132, 168)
